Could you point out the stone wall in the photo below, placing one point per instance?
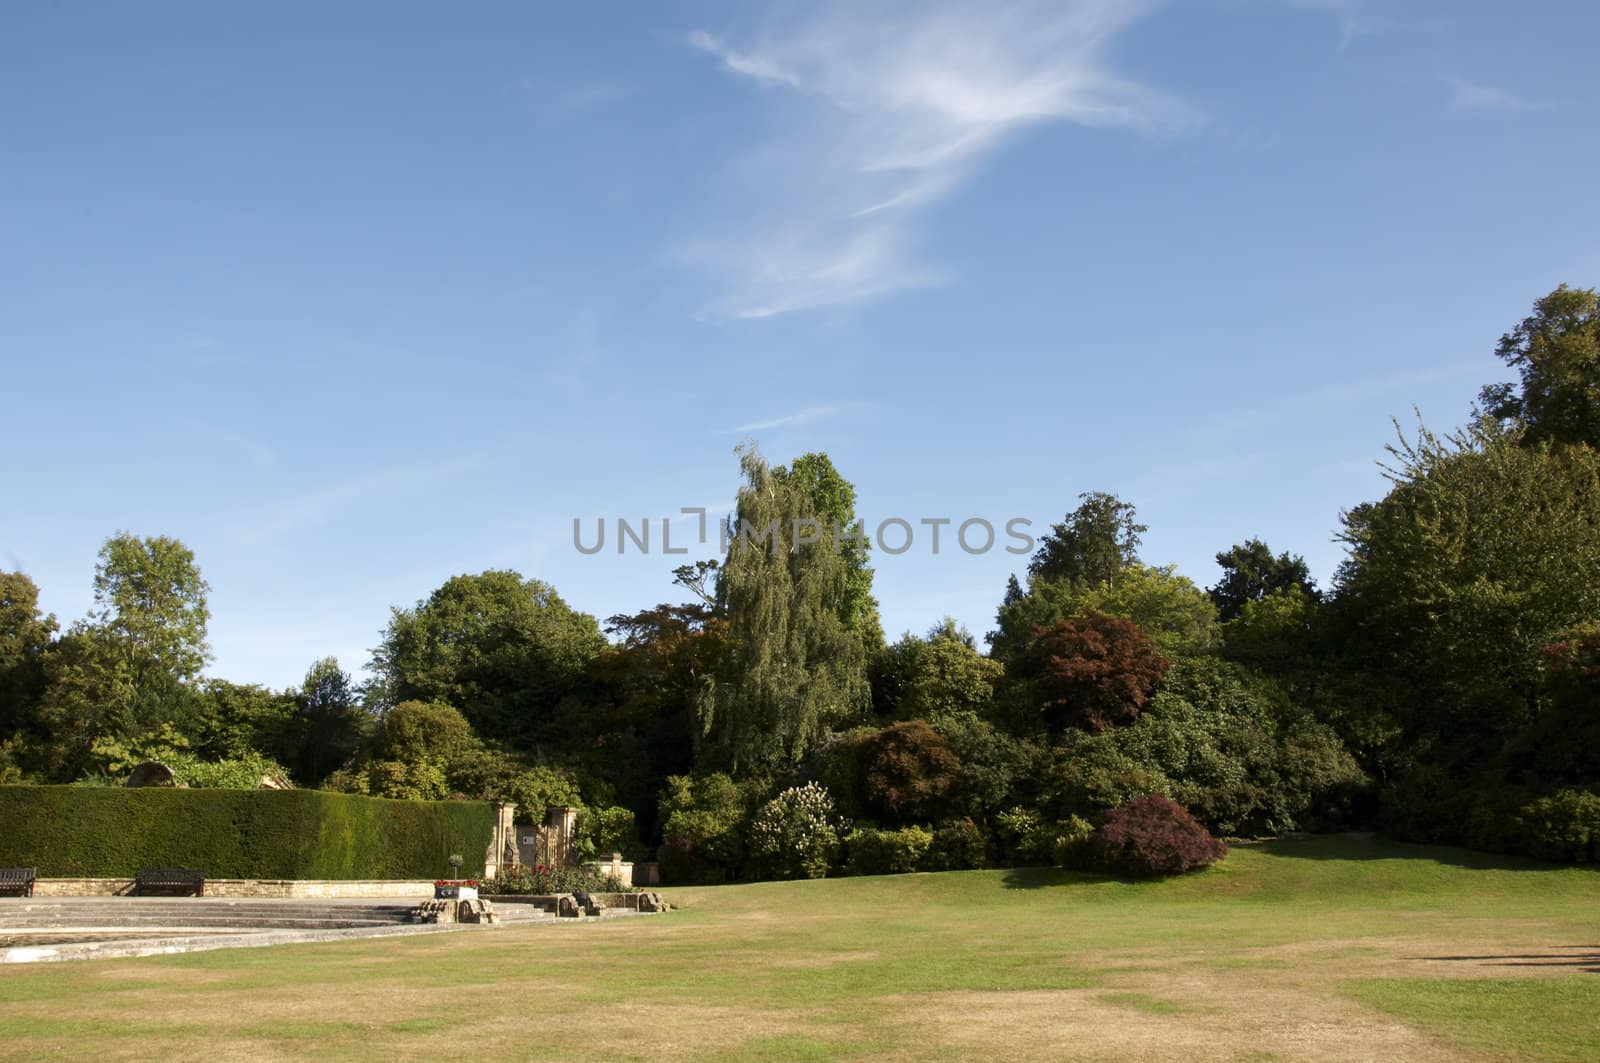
(245, 887)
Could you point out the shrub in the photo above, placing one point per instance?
(796, 835)
(958, 846)
(1152, 835)
(887, 852)
(523, 880)
(909, 770)
(702, 821)
(111, 831)
(1565, 826)
(1028, 839)
(601, 831)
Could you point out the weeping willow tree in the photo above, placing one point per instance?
(793, 603)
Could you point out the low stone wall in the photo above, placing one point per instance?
(245, 887)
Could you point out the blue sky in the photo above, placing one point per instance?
(354, 297)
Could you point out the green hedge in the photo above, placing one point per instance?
(72, 831)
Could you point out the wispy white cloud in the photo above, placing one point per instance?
(1354, 18)
(313, 508)
(1471, 96)
(886, 109)
(809, 415)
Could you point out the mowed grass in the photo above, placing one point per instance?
(1334, 948)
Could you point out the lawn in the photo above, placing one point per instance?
(1333, 949)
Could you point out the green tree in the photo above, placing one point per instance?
(952, 677)
(506, 651)
(794, 667)
(131, 666)
(25, 636)
(1250, 572)
(1483, 553)
(831, 500)
(151, 601)
(1177, 615)
(1556, 352)
(328, 724)
(1094, 545)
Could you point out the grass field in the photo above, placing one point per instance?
(1333, 949)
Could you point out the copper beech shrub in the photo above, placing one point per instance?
(1095, 671)
(1152, 835)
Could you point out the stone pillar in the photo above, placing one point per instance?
(502, 851)
(561, 823)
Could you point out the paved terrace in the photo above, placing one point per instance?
(42, 929)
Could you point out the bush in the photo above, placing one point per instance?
(909, 770)
(73, 831)
(1564, 827)
(702, 821)
(602, 831)
(1025, 838)
(887, 852)
(795, 835)
(1152, 835)
(958, 846)
(542, 881)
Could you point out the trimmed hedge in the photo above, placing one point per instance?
(90, 831)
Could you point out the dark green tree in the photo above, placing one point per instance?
(1095, 543)
(1250, 572)
(502, 649)
(328, 724)
(25, 635)
(1556, 353)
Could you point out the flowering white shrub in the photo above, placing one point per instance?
(796, 834)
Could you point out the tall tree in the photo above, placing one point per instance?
(329, 722)
(831, 500)
(502, 649)
(1556, 352)
(131, 666)
(151, 600)
(795, 666)
(1093, 545)
(1250, 572)
(1483, 553)
(25, 635)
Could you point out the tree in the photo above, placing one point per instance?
(1484, 552)
(1093, 545)
(151, 600)
(909, 771)
(1094, 671)
(1168, 607)
(25, 635)
(130, 667)
(1556, 352)
(647, 692)
(830, 499)
(329, 722)
(794, 667)
(934, 676)
(504, 650)
(1250, 572)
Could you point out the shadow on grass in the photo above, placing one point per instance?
(1585, 958)
(1370, 847)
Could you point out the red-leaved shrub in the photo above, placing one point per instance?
(1151, 835)
(1094, 671)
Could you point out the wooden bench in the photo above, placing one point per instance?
(18, 881)
(177, 881)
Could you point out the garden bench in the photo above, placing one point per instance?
(171, 880)
(18, 880)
